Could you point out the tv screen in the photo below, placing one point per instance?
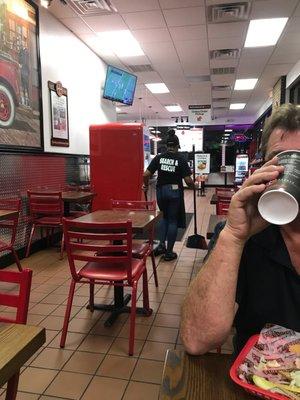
(119, 85)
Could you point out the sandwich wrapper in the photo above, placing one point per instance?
(274, 359)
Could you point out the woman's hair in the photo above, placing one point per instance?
(172, 140)
(286, 117)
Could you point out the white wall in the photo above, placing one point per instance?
(65, 58)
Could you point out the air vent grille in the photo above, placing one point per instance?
(141, 68)
(224, 54)
(223, 71)
(220, 108)
(221, 87)
(231, 12)
(220, 99)
(92, 7)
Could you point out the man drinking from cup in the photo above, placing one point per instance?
(252, 276)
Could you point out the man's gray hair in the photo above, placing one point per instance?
(286, 117)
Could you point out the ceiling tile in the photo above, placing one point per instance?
(106, 23)
(234, 29)
(195, 50)
(281, 56)
(240, 96)
(221, 93)
(293, 25)
(124, 6)
(61, 11)
(289, 39)
(180, 33)
(139, 60)
(76, 25)
(224, 63)
(297, 11)
(144, 20)
(278, 69)
(179, 3)
(193, 69)
(185, 16)
(156, 35)
(262, 53)
(273, 8)
(225, 43)
(148, 77)
(163, 54)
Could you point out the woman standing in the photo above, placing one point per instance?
(171, 169)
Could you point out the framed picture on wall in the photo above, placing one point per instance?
(21, 126)
(59, 114)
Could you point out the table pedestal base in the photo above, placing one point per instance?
(119, 307)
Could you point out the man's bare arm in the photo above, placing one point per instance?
(209, 307)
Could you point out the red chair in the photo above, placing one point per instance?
(105, 264)
(11, 224)
(19, 301)
(46, 211)
(222, 207)
(140, 250)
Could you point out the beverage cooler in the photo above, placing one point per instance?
(118, 155)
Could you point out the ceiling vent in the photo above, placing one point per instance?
(223, 71)
(231, 12)
(220, 99)
(141, 68)
(221, 87)
(122, 113)
(220, 108)
(224, 54)
(92, 7)
(198, 79)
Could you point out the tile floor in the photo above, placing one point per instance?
(94, 363)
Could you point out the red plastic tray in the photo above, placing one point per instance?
(266, 394)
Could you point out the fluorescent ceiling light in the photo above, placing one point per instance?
(174, 108)
(118, 109)
(122, 43)
(237, 106)
(264, 32)
(245, 84)
(157, 87)
(228, 130)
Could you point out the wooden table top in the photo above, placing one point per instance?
(213, 220)
(214, 197)
(17, 344)
(77, 197)
(6, 214)
(199, 378)
(141, 220)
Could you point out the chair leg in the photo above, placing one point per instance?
(67, 314)
(16, 259)
(12, 387)
(146, 305)
(62, 247)
(132, 319)
(91, 302)
(154, 268)
(30, 240)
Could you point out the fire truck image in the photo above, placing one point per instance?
(9, 89)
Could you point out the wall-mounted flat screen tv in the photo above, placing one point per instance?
(119, 85)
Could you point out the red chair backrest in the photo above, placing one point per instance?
(11, 222)
(19, 301)
(222, 207)
(96, 246)
(45, 203)
(134, 205)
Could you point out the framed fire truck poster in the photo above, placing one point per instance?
(20, 79)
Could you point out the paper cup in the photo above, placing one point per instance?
(279, 203)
